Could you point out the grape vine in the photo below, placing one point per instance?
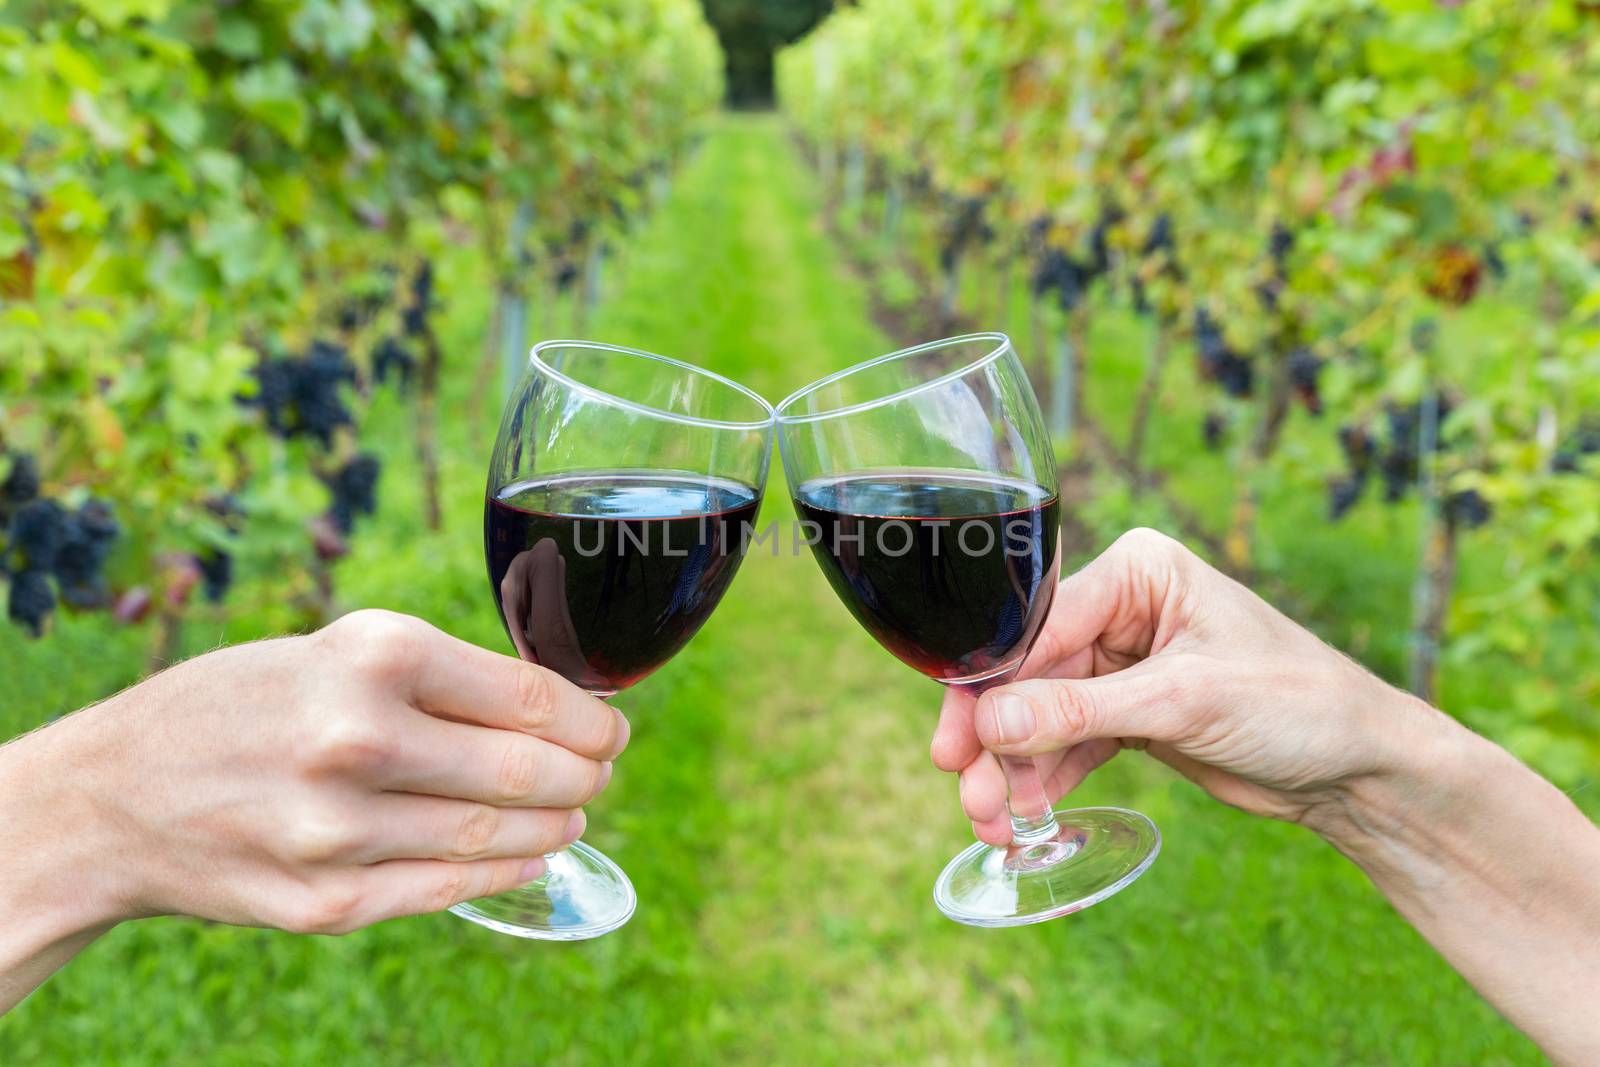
(218, 231)
(1321, 202)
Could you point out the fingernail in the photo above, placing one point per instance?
(575, 824)
(1013, 719)
(534, 868)
(605, 774)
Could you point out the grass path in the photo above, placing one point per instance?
(776, 810)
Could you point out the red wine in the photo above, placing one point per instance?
(603, 576)
(952, 572)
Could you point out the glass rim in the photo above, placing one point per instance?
(1002, 345)
(536, 358)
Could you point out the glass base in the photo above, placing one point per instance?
(582, 895)
(1096, 852)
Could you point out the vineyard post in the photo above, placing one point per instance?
(428, 426)
(1063, 364)
(1036, 334)
(1436, 562)
(952, 289)
(827, 161)
(1005, 270)
(514, 299)
(1547, 427)
(589, 294)
(1144, 403)
(854, 179)
(891, 207)
(167, 642)
(1273, 412)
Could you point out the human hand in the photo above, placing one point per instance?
(1149, 647)
(319, 784)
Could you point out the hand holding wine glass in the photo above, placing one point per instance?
(318, 784)
(1148, 647)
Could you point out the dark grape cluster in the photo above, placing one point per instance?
(1218, 362)
(1345, 490)
(1494, 261)
(31, 600)
(1280, 243)
(392, 357)
(1585, 442)
(355, 490)
(965, 227)
(1213, 429)
(414, 316)
(1467, 508)
(1159, 256)
(1305, 368)
(216, 573)
(1269, 293)
(302, 396)
(21, 485)
(1100, 238)
(1398, 463)
(1059, 273)
(1160, 239)
(44, 540)
(567, 272)
(215, 562)
(87, 538)
(1396, 460)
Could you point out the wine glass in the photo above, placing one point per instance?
(927, 486)
(620, 500)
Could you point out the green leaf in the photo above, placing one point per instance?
(181, 121)
(238, 37)
(271, 94)
(114, 13)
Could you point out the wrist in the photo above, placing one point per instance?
(76, 878)
(1412, 821)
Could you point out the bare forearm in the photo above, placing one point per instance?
(1500, 872)
(53, 897)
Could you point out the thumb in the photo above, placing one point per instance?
(1045, 714)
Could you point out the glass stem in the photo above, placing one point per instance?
(1032, 821)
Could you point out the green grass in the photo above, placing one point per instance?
(776, 808)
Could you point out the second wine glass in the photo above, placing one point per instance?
(929, 485)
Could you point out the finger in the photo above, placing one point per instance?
(1039, 715)
(499, 767)
(408, 826)
(996, 831)
(1085, 604)
(955, 742)
(420, 887)
(1077, 763)
(465, 683)
(1062, 772)
(983, 789)
(1116, 603)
